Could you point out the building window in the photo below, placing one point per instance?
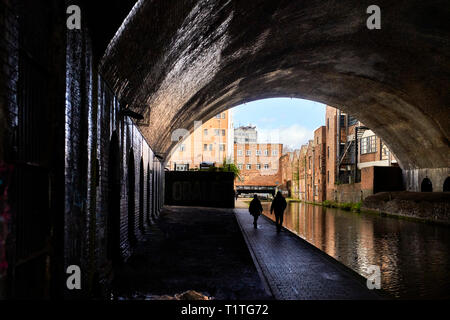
(266, 152)
(223, 132)
(222, 147)
(239, 152)
(258, 166)
(328, 176)
(205, 147)
(258, 152)
(240, 166)
(181, 167)
(205, 132)
(368, 145)
(182, 147)
(249, 166)
(217, 116)
(274, 152)
(223, 115)
(266, 166)
(249, 153)
(328, 124)
(216, 132)
(210, 147)
(328, 152)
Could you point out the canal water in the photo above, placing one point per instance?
(414, 257)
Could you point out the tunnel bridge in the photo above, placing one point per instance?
(70, 103)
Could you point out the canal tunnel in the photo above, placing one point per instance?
(71, 102)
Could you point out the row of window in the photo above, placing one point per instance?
(258, 152)
(368, 145)
(217, 132)
(209, 147)
(258, 166)
(206, 147)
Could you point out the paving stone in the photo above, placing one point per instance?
(293, 270)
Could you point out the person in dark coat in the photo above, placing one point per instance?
(278, 205)
(255, 209)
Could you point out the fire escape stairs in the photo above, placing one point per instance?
(345, 159)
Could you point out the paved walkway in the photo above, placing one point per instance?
(191, 248)
(293, 269)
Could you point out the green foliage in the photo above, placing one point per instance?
(328, 204)
(349, 206)
(228, 166)
(357, 206)
(346, 206)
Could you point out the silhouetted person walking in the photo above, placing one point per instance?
(255, 209)
(278, 205)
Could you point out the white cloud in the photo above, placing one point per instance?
(293, 136)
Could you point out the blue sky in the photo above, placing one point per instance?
(281, 120)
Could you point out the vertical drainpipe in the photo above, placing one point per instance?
(313, 174)
(304, 166)
(338, 145)
(355, 174)
(298, 177)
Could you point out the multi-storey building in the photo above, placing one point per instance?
(210, 142)
(353, 154)
(259, 166)
(345, 161)
(245, 134)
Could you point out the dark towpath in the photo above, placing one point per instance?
(294, 269)
(199, 249)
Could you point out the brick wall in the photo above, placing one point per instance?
(254, 176)
(92, 113)
(8, 107)
(331, 127)
(68, 139)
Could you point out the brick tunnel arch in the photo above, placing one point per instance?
(176, 63)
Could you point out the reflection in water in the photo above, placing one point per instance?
(414, 257)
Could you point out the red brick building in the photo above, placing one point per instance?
(342, 162)
(259, 165)
(353, 152)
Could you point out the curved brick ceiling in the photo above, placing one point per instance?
(180, 61)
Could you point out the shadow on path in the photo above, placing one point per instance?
(199, 249)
